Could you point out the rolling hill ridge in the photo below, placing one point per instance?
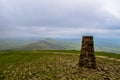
(50, 44)
(100, 44)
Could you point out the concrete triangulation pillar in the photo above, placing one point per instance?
(87, 57)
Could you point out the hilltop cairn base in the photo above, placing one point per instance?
(87, 57)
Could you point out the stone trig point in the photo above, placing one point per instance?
(87, 57)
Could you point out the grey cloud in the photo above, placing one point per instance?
(47, 17)
(49, 13)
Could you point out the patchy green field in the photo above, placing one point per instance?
(55, 65)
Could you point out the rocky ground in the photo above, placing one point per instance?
(59, 67)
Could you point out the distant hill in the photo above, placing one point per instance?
(101, 44)
(12, 43)
(50, 44)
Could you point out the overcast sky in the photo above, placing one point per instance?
(59, 18)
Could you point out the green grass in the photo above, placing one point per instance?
(51, 65)
(108, 54)
(19, 57)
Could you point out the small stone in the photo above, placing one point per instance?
(106, 78)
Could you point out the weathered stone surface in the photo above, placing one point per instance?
(87, 57)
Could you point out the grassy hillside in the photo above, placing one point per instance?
(55, 65)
